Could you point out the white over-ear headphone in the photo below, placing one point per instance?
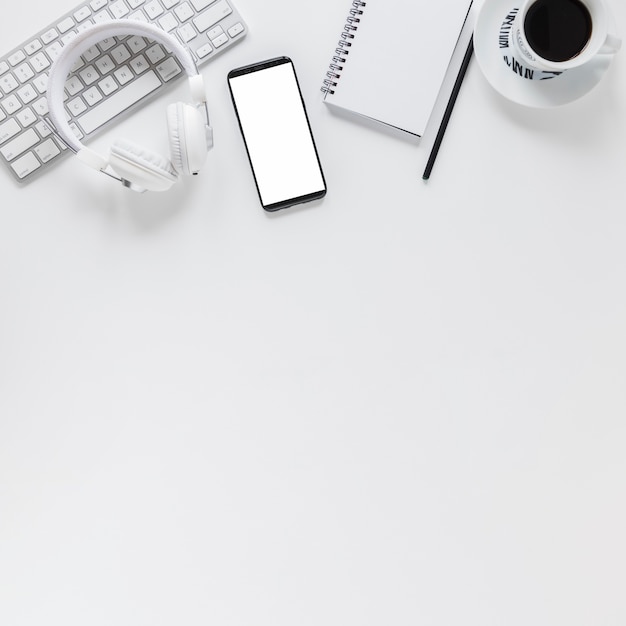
(190, 135)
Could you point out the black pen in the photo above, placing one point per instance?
(448, 111)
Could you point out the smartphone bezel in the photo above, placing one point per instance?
(258, 67)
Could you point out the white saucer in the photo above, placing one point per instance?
(551, 92)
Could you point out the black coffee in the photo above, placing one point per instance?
(558, 30)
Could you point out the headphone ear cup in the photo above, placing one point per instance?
(143, 169)
(188, 137)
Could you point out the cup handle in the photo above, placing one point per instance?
(611, 45)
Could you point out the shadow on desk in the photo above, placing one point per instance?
(371, 124)
(583, 124)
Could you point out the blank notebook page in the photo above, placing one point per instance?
(398, 60)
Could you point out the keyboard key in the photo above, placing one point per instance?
(26, 117)
(107, 43)
(11, 104)
(168, 4)
(67, 38)
(78, 64)
(184, 11)
(204, 50)
(49, 35)
(120, 54)
(89, 75)
(103, 16)
(153, 9)
(42, 128)
(27, 94)
(139, 64)
(168, 22)
(41, 83)
(47, 150)
(107, 85)
(4, 67)
(9, 129)
(26, 165)
(20, 144)
(97, 4)
(124, 74)
(212, 15)
(73, 85)
(139, 16)
(220, 41)
(41, 106)
(33, 46)
(215, 32)
(92, 96)
(82, 26)
(91, 53)
(236, 29)
(40, 62)
(105, 64)
(53, 50)
(8, 83)
(77, 106)
(155, 53)
(119, 101)
(168, 69)
(187, 32)
(65, 25)
(82, 14)
(136, 43)
(24, 72)
(119, 9)
(16, 57)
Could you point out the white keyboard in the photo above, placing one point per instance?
(109, 79)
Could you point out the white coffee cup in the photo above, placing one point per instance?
(600, 41)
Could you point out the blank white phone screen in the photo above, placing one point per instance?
(277, 134)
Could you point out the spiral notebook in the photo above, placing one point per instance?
(392, 58)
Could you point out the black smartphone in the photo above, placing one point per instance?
(277, 133)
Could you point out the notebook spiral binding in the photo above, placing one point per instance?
(343, 47)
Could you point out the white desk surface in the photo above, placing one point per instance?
(403, 405)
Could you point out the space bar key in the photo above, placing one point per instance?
(119, 101)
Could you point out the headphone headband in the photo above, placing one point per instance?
(90, 37)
